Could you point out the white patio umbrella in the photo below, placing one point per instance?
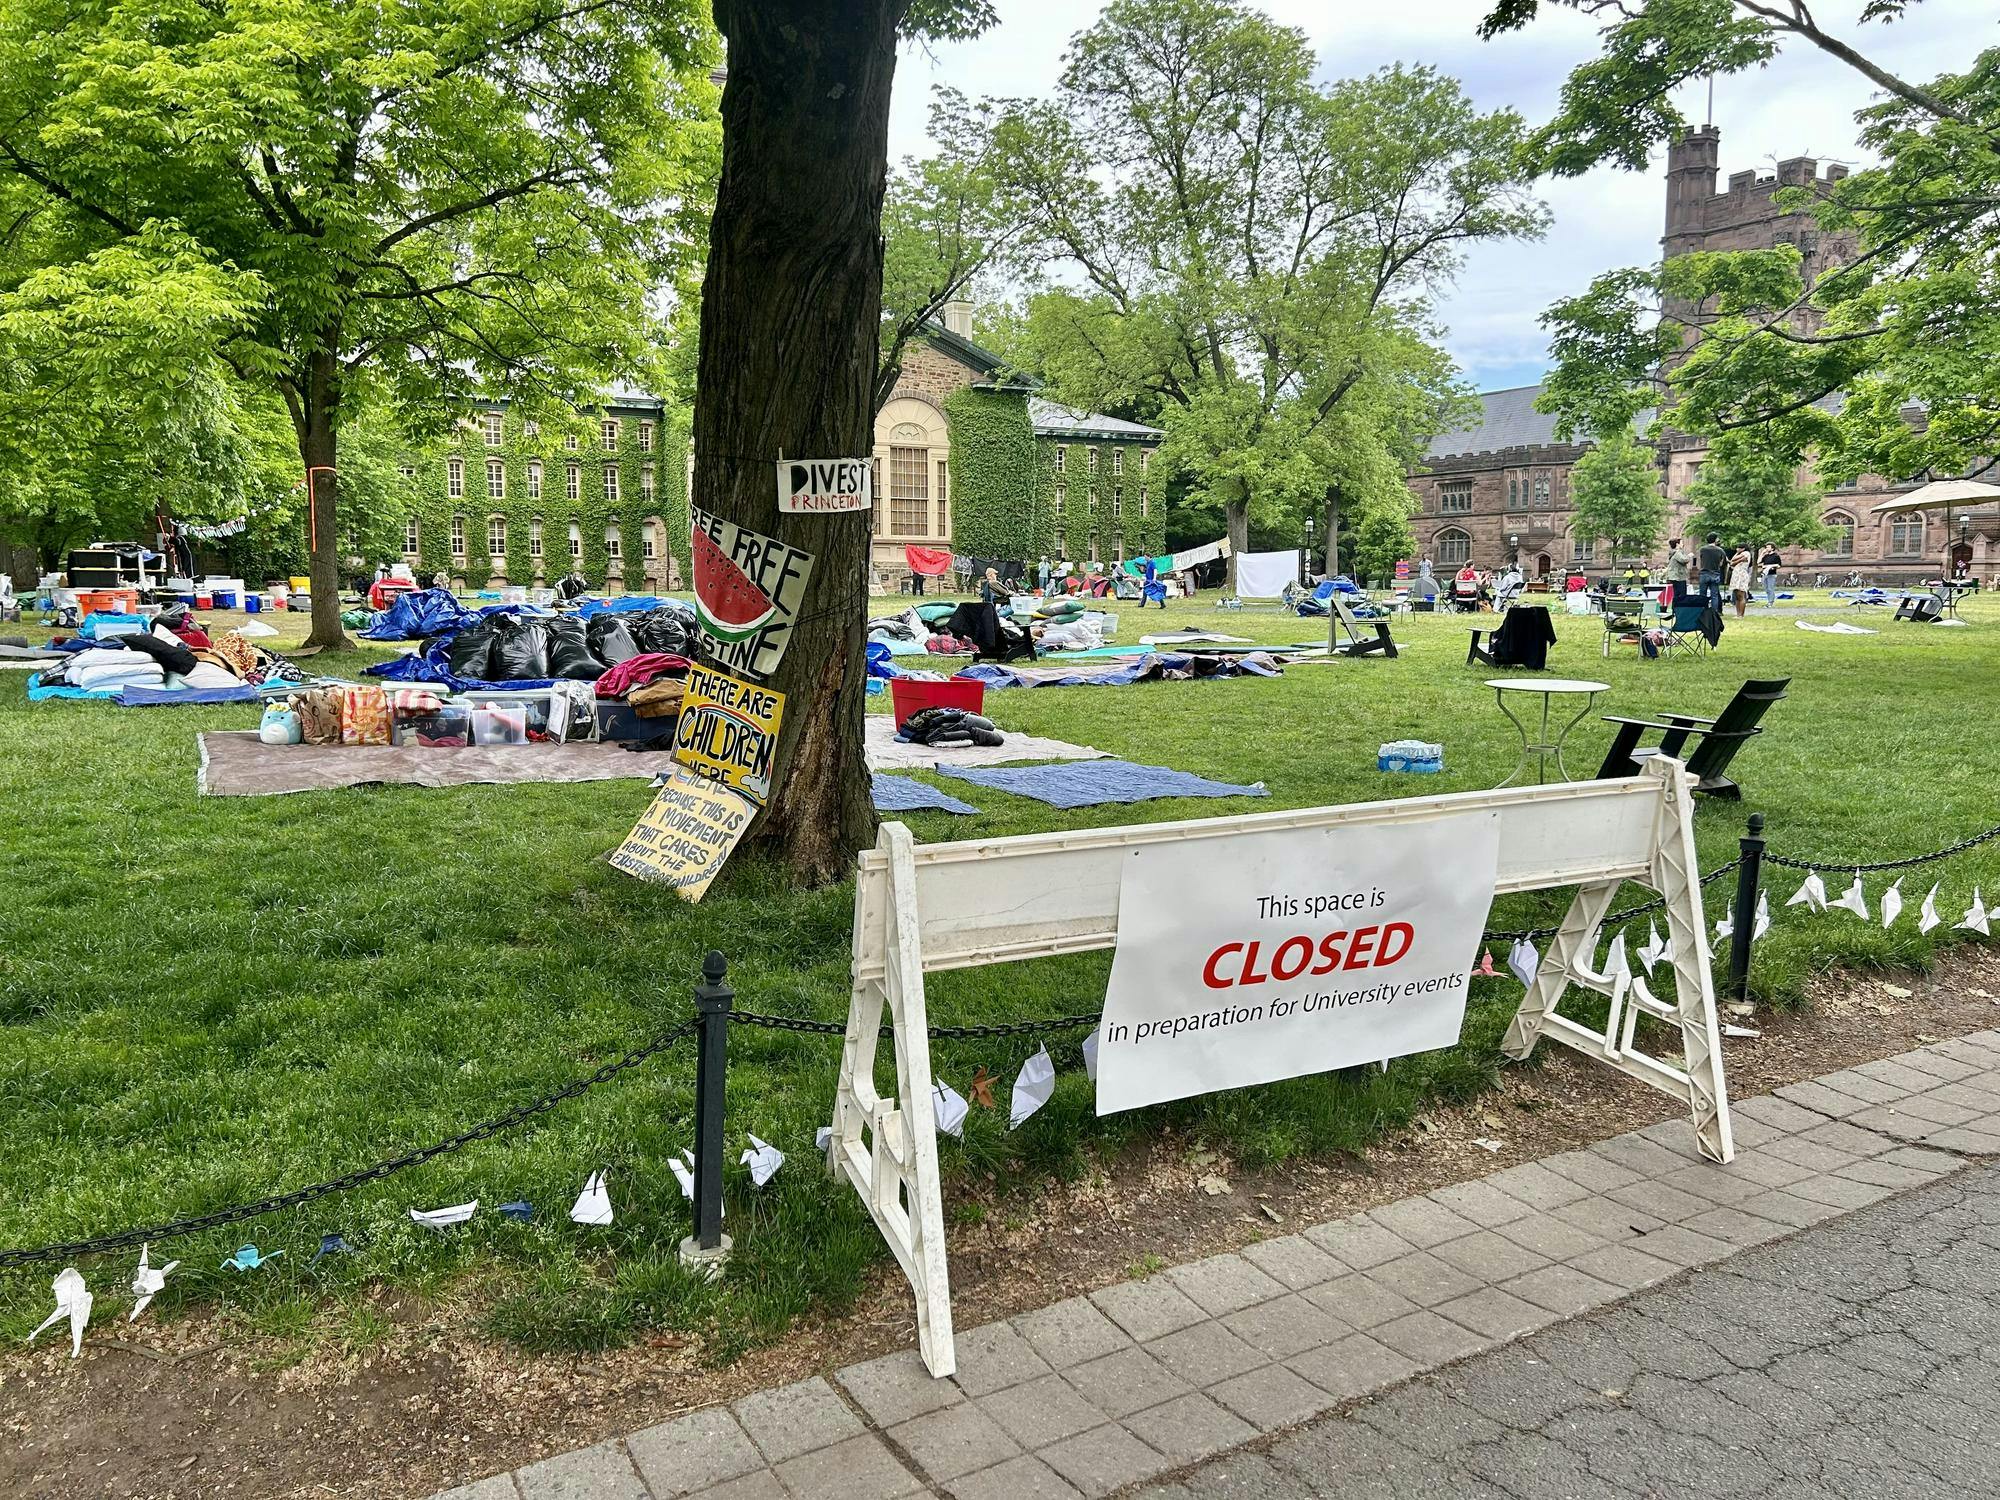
(1947, 493)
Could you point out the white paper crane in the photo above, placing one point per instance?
(1653, 949)
(593, 1204)
(822, 1138)
(1976, 915)
(1032, 1087)
(683, 1166)
(1928, 917)
(73, 1301)
(1763, 922)
(147, 1281)
(1854, 899)
(1892, 903)
(1812, 894)
(1524, 961)
(1090, 1056)
(1725, 929)
(763, 1159)
(444, 1218)
(950, 1108)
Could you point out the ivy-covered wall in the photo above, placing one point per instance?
(592, 512)
(1009, 499)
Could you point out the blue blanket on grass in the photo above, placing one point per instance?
(902, 794)
(1090, 783)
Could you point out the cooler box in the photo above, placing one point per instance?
(909, 696)
(108, 601)
(301, 585)
(252, 605)
(224, 599)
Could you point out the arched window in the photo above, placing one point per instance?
(534, 536)
(534, 479)
(1906, 535)
(573, 480)
(1453, 547)
(611, 483)
(648, 484)
(912, 447)
(613, 547)
(496, 479)
(458, 536)
(575, 541)
(1842, 542)
(496, 536)
(454, 477)
(649, 540)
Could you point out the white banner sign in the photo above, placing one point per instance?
(825, 486)
(1291, 952)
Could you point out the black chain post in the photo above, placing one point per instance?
(713, 998)
(1749, 871)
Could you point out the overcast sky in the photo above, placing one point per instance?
(1802, 106)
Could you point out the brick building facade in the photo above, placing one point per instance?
(1499, 487)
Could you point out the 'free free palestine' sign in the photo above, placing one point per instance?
(1274, 955)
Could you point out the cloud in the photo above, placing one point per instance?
(1802, 105)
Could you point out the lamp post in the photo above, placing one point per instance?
(1965, 541)
(1306, 554)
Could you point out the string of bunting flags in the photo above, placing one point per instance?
(1033, 1086)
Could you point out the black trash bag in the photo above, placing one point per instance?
(167, 650)
(469, 654)
(569, 651)
(670, 630)
(610, 640)
(521, 652)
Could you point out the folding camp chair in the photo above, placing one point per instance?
(1720, 737)
(1356, 644)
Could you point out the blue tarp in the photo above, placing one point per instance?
(147, 697)
(902, 794)
(627, 604)
(433, 612)
(1089, 783)
(431, 665)
(39, 694)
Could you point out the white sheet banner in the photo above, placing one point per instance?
(1274, 955)
(1263, 575)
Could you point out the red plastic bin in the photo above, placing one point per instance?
(908, 696)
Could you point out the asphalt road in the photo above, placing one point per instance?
(1858, 1360)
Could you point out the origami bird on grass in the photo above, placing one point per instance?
(147, 1281)
(73, 1301)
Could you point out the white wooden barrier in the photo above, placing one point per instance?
(924, 908)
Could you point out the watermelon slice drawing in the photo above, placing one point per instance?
(727, 603)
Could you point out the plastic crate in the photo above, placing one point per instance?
(909, 696)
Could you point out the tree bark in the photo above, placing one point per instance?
(319, 437)
(1236, 518)
(790, 316)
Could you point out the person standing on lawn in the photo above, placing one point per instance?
(1739, 580)
(1709, 565)
(1769, 564)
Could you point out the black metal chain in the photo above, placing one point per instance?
(839, 1028)
(515, 1116)
(1658, 903)
(1886, 864)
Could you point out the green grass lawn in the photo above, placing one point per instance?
(202, 1001)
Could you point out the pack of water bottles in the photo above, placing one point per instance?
(1410, 755)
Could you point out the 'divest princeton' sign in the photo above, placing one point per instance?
(825, 486)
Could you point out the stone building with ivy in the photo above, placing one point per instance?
(969, 458)
(506, 500)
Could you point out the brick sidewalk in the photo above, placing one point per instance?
(1100, 1392)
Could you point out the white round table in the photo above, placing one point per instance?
(1550, 689)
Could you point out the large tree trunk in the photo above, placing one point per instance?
(790, 312)
(1236, 521)
(319, 405)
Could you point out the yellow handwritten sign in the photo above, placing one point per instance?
(684, 837)
(728, 731)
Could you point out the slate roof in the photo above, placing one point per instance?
(1508, 419)
(1052, 420)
